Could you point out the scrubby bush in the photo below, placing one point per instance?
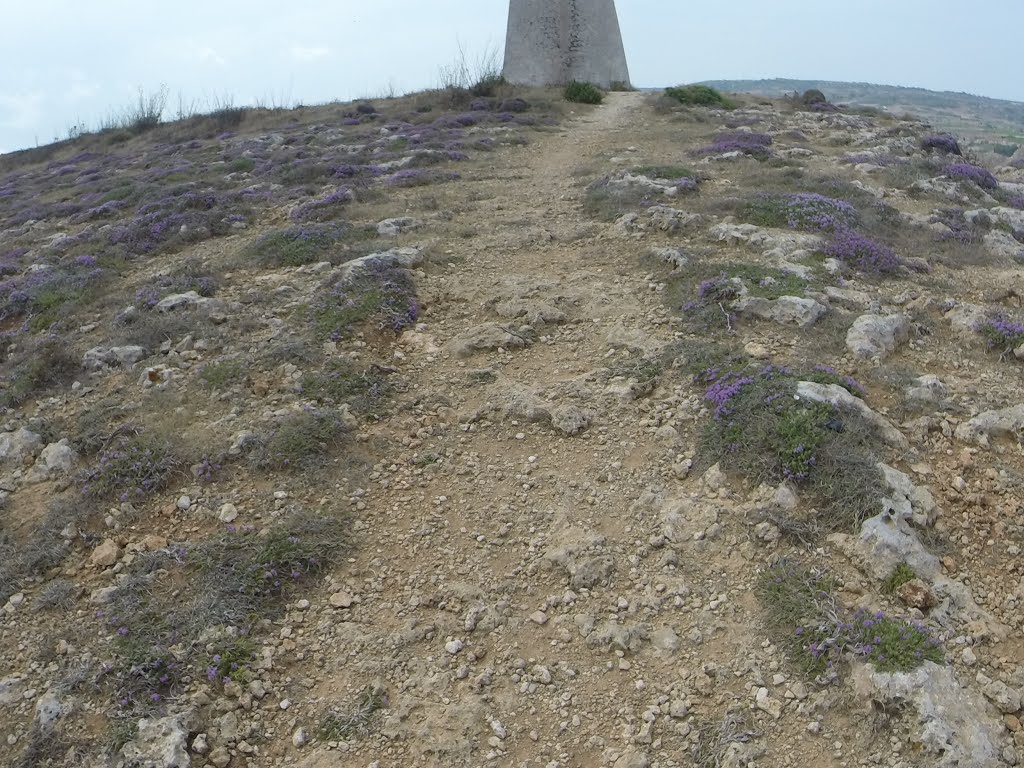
(756, 145)
(306, 243)
(974, 173)
(805, 617)
(341, 381)
(583, 93)
(941, 142)
(1002, 334)
(760, 429)
(379, 294)
(132, 466)
(302, 441)
(699, 95)
(42, 364)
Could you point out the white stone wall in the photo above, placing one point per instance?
(551, 42)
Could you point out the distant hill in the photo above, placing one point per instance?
(962, 113)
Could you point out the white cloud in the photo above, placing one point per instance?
(303, 53)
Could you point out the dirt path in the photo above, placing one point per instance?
(511, 592)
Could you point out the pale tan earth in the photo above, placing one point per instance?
(468, 527)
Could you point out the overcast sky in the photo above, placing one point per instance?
(65, 62)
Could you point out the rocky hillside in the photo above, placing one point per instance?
(980, 117)
(500, 431)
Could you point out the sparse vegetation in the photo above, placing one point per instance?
(302, 441)
(700, 96)
(759, 429)
(802, 612)
(583, 93)
(343, 724)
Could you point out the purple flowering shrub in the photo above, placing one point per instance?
(861, 253)
(759, 428)
(804, 615)
(132, 466)
(323, 208)
(757, 145)
(807, 211)
(306, 244)
(1002, 334)
(44, 296)
(379, 294)
(941, 142)
(162, 286)
(419, 177)
(960, 230)
(973, 173)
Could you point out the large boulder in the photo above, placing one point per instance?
(160, 743)
(954, 725)
(877, 335)
(840, 398)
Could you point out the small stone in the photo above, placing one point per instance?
(200, 745)
(341, 600)
(678, 709)
(227, 513)
(220, 757)
(299, 738)
(539, 617)
(968, 657)
(106, 554)
(183, 503)
(454, 646)
(917, 594)
(285, 703)
(1006, 699)
(498, 729)
(766, 703)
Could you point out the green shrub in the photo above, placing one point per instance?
(340, 381)
(700, 96)
(302, 441)
(44, 364)
(131, 466)
(222, 374)
(901, 574)
(759, 429)
(583, 93)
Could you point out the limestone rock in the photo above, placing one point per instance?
(16, 446)
(907, 500)
(189, 300)
(160, 743)
(916, 594)
(487, 337)
(927, 389)
(99, 358)
(570, 419)
(849, 298)
(965, 318)
(106, 554)
(393, 227)
(952, 723)
(786, 310)
(406, 258)
(877, 335)
(671, 256)
(1007, 422)
(57, 457)
(842, 399)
